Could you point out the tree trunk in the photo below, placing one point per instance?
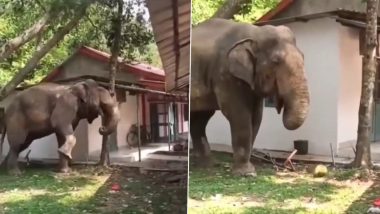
(230, 8)
(363, 151)
(39, 54)
(115, 50)
(14, 44)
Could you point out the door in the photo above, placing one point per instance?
(173, 121)
(154, 128)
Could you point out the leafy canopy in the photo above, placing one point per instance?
(95, 30)
(204, 9)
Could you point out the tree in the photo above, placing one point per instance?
(230, 8)
(94, 30)
(239, 10)
(115, 51)
(40, 53)
(15, 43)
(363, 149)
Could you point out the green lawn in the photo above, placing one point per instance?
(88, 190)
(215, 190)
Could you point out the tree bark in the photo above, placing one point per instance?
(14, 44)
(40, 53)
(230, 8)
(363, 149)
(115, 51)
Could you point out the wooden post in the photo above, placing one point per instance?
(138, 126)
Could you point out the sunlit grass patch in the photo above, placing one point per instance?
(42, 191)
(216, 190)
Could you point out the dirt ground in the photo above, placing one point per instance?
(144, 193)
(216, 190)
(90, 189)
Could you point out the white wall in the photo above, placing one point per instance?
(183, 125)
(318, 39)
(350, 84)
(128, 115)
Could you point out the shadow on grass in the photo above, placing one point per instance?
(87, 190)
(205, 183)
(38, 179)
(141, 193)
(362, 204)
(260, 210)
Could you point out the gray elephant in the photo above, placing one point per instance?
(234, 66)
(52, 108)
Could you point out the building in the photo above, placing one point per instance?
(330, 35)
(86, 63)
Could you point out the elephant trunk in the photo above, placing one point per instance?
(110, 119)
(296, 104)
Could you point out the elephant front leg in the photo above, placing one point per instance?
(64, 152)
(201, 146)
(66, 140)
(68, 146)
(241, 131)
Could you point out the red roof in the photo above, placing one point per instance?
(148, 75)
(278, 9)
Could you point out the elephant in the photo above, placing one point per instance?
(234, 67)
(49, 108)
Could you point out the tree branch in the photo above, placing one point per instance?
(39, 54)
(230, 8)
(14, 44)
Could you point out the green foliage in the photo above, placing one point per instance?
(204, 9)
(95, 30)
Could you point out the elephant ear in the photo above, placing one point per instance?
(242, 61)
(87, 92)
(92, 99)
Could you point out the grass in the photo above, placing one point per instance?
(216, 190)
(88, 190)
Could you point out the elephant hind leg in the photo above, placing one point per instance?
(12, 157)
(18, 142)
(199, 120)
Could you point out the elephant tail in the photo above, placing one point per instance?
(2, 142)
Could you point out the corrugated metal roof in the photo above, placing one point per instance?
(171, 22)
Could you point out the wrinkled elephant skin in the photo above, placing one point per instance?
(50, 108)
(234, 67)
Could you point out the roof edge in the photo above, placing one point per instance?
(284, 4)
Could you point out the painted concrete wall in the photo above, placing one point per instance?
(319, 41)
(349, 84)
(80, 65)
(128, 117)
(304, 7)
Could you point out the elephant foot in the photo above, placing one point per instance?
(64, 170)
(15, 172)
(244, 169)
(65, 153)
(68, 146)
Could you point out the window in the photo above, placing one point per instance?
(269, 102)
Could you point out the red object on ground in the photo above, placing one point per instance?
(115, 187)
(377, 202)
